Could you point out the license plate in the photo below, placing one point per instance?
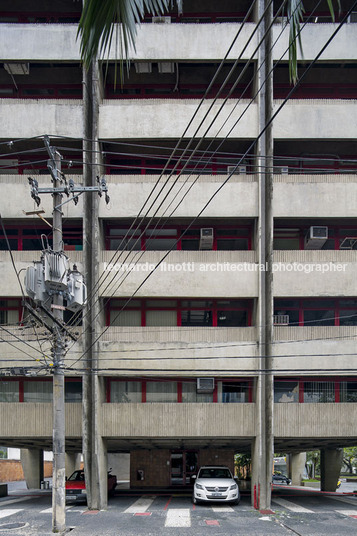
(216, 494)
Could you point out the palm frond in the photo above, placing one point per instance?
(96, 26)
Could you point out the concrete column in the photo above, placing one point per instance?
(297, 467)
(330, 464)
(72, 460)
(32, 465)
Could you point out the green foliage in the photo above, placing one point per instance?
(3, 453)
(350, 458)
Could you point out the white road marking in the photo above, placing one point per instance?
(347, 512)
(140, 506)
(178, 517)
(346, 500)
(292, 506)
(9, 512)
(222, 509)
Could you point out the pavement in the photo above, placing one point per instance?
(295, 511)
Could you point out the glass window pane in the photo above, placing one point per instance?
(348, 317)
(315, 392)
(348, 392)
(233, 392)
(125, 392)
(196, 318)
(286, 391)
(196, 304)
(189, 245)
(161, 318)
(159, 244)
(232, 244)
(73, 391)
(161, 392)
(286, 243)
(189, 393)
(152, 233)
(125, 318)
(37, 391)
(9, 391)
(319, 318)
(163, 304)
(232, 318)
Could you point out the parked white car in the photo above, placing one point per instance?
(215, 483)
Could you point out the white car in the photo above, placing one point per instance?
(215, 483)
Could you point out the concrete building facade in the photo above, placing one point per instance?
(226, 312)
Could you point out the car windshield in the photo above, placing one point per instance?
(77, 475)
(214, 473)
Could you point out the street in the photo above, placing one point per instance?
(294, 511)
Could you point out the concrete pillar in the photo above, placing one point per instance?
(330, 464)
(73, 460)
(32, 465)
(297, 467)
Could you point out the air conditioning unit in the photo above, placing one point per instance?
(284, 170)
(316, 237)
(56, 268)
(281, 320)
(240, 170)
(352, 17)
(166, 67)
(161, 20)
(17, 68)
(142, 67)
(205, 385)
(206, 238)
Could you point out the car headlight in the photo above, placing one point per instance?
(84, 491)
(234, 486)
(198, 486)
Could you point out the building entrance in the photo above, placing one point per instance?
(184, 464)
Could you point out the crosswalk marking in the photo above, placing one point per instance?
(12, 501)
(140, 506)
(347, 512)
(9, 512)
(178, 517)
(292, 506)
(222, 509)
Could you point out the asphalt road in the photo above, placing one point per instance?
(295, 512)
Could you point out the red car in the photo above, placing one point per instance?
(76, 486)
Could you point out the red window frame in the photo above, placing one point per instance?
(215, 307)
(23, 233)
(301, 308)
(185, 91)
(179, 382)
(317, 91)
(247, 233)
(21, 91)
(17, 306)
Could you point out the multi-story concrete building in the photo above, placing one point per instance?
(197, 365)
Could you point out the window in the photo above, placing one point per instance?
(292, 237)
(318, 311)
(189, 393)
(233, 392)
(161, 391)
(188, 313)
(37, 391)
(227, 238)
(315, 392)
(73, 391)
(348, 391)
(286, 391)
(9, 391)
(10, 311)
(28, 237)
(125, 392)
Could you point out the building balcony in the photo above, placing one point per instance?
(26, 118)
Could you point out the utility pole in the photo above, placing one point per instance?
(59, 476)
(50, 280)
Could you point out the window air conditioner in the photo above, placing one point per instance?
(240, 170)
(161, 20)
(143, 67)
(166, 67)
(352, 17)
(206, 238)
(284, 170)
(281, 320)
(316, 237)
(205, 385)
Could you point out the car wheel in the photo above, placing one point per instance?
(236, 502)
(194, 500)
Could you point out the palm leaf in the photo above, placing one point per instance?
(295, 11)
(96, 28)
